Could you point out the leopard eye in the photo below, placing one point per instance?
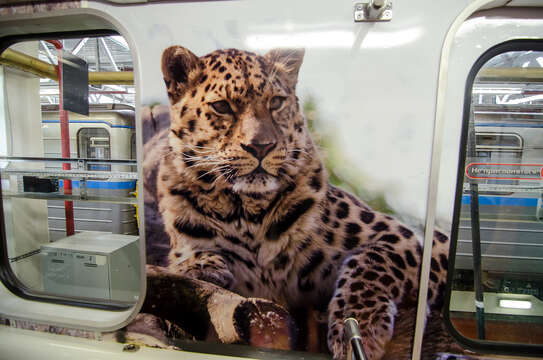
(276, 102)
(222, 107)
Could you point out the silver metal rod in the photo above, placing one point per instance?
(109, 55)
(353, 339)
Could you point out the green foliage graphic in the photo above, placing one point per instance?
(350, 180)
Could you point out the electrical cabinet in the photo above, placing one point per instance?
(92, 265)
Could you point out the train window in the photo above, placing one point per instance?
(69, 221)
(498, 141)
(94, 143)
(499, 148)
(496, 272)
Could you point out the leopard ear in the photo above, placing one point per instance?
(180, 68)
(287, 61)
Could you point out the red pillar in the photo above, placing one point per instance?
(65, 144)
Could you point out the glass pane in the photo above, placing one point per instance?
(68, 179)
(497, 292)
(94, 144)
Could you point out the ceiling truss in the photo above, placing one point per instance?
(110, 53)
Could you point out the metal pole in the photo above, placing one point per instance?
(476, 235)
(477, 272)
(352, 337)
(65, 144)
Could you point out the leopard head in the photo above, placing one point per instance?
(235, 118)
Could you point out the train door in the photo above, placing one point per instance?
(496, 260)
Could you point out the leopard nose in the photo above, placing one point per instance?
(258, 150)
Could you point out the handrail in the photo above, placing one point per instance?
(355, 350)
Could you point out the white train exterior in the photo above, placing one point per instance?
(392, 92)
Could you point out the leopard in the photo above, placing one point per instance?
(247, 203)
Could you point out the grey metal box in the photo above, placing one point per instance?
(94, 265)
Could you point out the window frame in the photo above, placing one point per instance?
(7, 276)
(483, 346)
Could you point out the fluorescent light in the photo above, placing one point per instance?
(515, 91)
(523, 100)
(515, 304)
(310, 39)
(391, 39)
(331, 38)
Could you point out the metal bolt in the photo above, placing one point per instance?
(378, 3)
(131, 347)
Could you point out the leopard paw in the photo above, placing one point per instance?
(336, 343)
(219, 277)
(208, 267)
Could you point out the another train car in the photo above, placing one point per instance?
(510, 209)
(107, 133)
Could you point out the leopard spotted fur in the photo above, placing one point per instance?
(247, 205)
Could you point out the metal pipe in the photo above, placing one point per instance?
(28, 63)
(16, 59)
(477, 268)
(353, 339)
(476, 234)
(57, 44)
(42, 69)
(65, 143)
(510, 74)
(111, 78)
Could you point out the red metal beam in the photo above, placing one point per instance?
(65, 143)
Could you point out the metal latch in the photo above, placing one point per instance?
(373, 10)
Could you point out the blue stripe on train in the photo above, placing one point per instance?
(500, 200)
(107, 185)
(99, 167)
(89, 122)
(516, 125)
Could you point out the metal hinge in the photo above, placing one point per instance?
(373, 10)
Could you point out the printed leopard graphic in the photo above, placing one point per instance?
(247, 205)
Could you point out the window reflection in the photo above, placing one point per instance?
(67, 178)
(501, 205)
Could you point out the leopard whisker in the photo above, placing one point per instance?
(188, 154)
(199, 147)
(226, 174)
(215, 169)
(199, 151)
(207, 163)
(202, 158)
